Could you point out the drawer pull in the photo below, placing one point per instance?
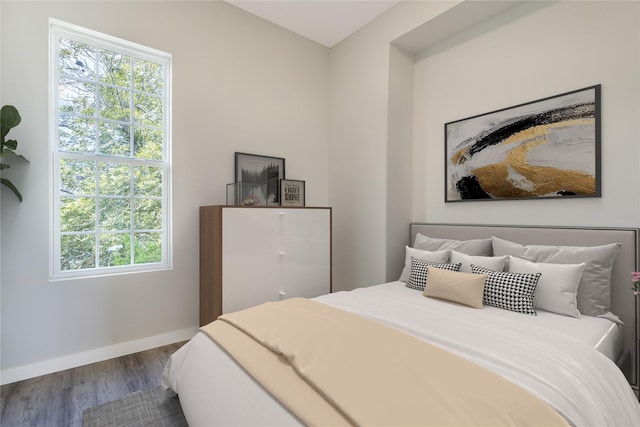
(282, 293)
(282, 213)
(282, 253)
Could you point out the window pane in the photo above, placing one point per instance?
(115, 68)
(76, 134)
(148, 181)
(147, 248)
(115, 214)
(115, 179)
(147, 109)
(77, 214)
(147, 214)
(77, 176)
(77, 97)
(114, 103)
(148, 77)
(77, 251)
(115, 249)
(110, 150)
(115, 139)
(77, 59)
(148, 143)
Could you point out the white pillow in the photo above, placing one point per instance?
(495, 263)
(437, 256)
(557, 287)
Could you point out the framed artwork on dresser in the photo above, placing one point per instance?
(292, 192)
(259, 175)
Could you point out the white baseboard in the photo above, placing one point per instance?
(49, 366)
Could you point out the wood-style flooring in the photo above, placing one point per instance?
(58, 399)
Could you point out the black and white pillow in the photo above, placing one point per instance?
(510, 291)
(418, 276)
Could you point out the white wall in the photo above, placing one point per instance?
(531, 52)
(359, 107)
(239, 84)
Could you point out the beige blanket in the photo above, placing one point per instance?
(331, 367)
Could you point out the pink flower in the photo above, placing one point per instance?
(635, 282)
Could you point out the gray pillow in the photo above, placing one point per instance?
(594, 290)
(478, 247)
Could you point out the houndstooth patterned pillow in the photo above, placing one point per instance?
(510, 291)
(418, 276)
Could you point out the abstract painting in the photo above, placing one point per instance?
(548, 148)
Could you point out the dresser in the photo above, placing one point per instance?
(251, 255)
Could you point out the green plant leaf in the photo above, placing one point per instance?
(13, 188)
(9, 118)
(7, 152)
(11, 153)
(12, 144)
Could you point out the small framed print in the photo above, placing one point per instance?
(291, 192)
(257, 179)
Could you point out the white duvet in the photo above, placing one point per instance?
(581, 383)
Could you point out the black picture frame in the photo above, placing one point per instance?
(547, 148)
(261, 174)
(292, 192)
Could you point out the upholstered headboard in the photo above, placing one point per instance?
(623, 303)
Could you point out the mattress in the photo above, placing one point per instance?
(214, 390)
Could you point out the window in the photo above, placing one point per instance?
(110, 139)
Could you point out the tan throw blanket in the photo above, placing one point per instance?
(331, 367)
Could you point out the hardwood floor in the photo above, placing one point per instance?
(58, 399)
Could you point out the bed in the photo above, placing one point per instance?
(579, 365)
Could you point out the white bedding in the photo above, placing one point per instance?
(597, 332)
(561, 367)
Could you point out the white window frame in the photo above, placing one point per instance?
(59, 29)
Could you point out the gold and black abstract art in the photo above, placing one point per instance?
(542, 149)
